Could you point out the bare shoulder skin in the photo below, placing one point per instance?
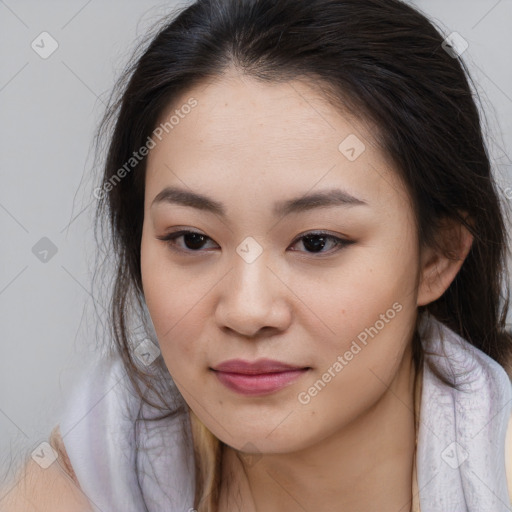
(54, 489)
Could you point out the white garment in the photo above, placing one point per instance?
(461, 438)
(98, 432)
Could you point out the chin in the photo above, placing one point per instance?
(260, 439)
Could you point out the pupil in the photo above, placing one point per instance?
(196, 242)
(307, 241)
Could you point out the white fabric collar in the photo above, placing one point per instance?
(461, 438)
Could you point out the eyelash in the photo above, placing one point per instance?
(171, 237)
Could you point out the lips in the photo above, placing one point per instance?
(255, 367)
(257, 377)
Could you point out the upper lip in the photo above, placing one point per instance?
(255, 367)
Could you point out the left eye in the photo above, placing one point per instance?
(318, 241)
(194, 241)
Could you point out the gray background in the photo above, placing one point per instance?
(49, 111)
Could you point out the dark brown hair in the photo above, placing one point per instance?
(381, 59)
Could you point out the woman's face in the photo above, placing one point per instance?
(251, 285)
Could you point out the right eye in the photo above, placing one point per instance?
(193, 240)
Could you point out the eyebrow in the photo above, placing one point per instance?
(321, 199)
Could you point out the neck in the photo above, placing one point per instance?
(368, 465)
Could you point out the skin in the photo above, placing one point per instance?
(249, 145)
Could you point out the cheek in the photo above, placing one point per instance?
(370, 311)
(174, 304)
(373, 324)
(362, 292)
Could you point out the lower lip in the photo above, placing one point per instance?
(259, 384)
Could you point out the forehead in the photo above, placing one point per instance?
(252, 137)
(242, 114)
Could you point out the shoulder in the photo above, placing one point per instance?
(55, 488)
(99, 397)
(108, 456)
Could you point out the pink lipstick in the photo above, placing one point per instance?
(259, 377)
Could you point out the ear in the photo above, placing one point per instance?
(439, 265)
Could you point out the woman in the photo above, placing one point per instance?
(305, 222)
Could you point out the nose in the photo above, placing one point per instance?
(254, 299)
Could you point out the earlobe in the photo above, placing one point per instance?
(439, 266)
